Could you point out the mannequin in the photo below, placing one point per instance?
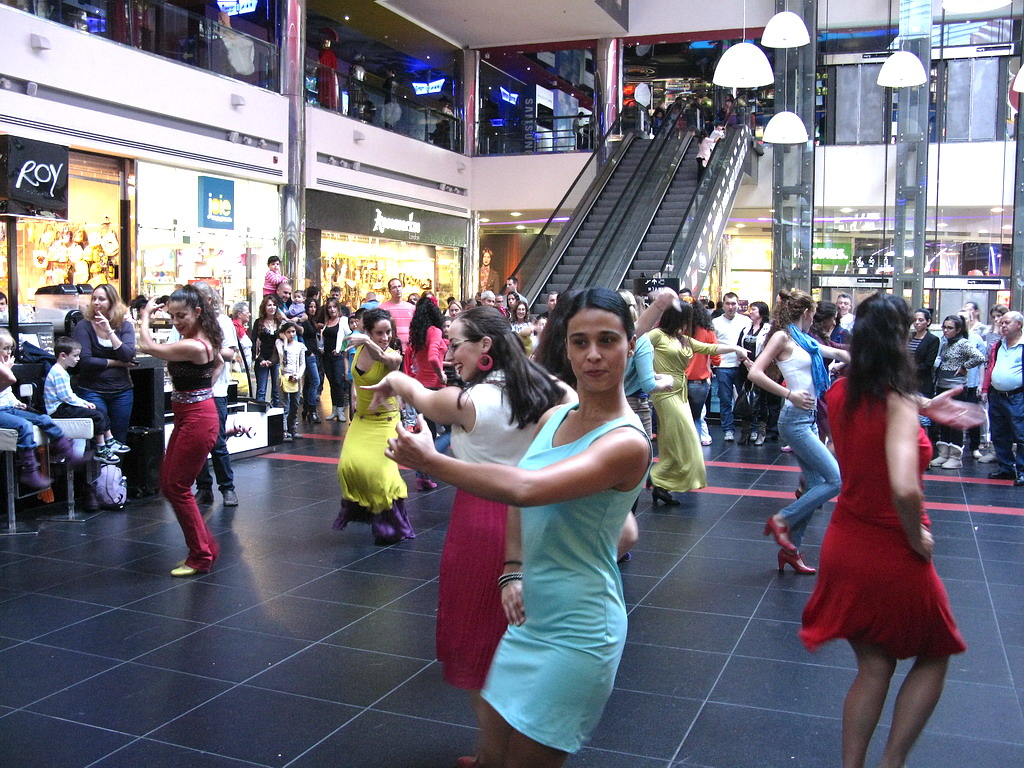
(327, 73)
(356, 94)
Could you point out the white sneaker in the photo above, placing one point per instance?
(729, 436)
(986, 458)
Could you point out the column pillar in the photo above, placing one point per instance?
(1017, 259)
(793, 164)
(607, 86)
(470, 99)
(293, 192)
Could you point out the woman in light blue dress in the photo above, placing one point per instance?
(561, 590)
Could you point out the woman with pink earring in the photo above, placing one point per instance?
(494, 420)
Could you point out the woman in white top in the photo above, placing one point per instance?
(799, 357)
(494, 420)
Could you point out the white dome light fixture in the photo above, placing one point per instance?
(785, 128)
(1018, 81)
(785, 30)
(973, 6)
(743, 65)
(902, 70)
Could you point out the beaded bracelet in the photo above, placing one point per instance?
(507, 578)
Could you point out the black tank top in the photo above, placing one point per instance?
(188, 377)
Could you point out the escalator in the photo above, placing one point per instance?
(652, 217)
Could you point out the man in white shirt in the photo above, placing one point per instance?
(401, 311)
(729, 327)
(844, 303)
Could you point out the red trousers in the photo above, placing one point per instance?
(196, 427)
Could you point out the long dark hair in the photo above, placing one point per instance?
(824, 311)
(550, 351)
(426, 315)
(528, 387)
(961, 326)
(701, 318)
(207, 317)
(373, 316)
(880, 362)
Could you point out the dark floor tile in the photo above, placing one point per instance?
(297, 617)
(997, 531)
(223, 653)
(447, 703)
(663, 541)
(33, 574)
(781, 685)
(31, 615)
(685, 629)
(29, 671)
(653, 564)
(153, 754)
(120, 634)
(779, 640)
(970, 709)
(343, 675)
(971, 750)
(1007, 551)
(422, 600)
(999, 572)
(666, 671)
(590, 757)
(644, 723)
(110, 552)
(196, 600)
(402, 634)
(729, 599)
(784, 603)
(358, 588)
(130, 698)
(36, 741)
(396, 561)
(112, 586)
(267, 576)
(264, 727)
(422, 743)
(727, 736)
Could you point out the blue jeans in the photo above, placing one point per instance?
(22, 421)
(219, 455)
(799, 429)
(311, 389)
(1006, 423)
(727, 380)
(116, 405)
(263, 375)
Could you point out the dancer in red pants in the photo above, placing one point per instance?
(193, 365)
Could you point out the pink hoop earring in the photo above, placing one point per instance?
(485, 362)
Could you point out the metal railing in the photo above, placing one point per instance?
(391, 108)
(525, 136)
(168, 31)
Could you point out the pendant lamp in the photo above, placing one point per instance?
(902, 70)
(973, 6)
(785, 128)
(785, 30)
(744, 65)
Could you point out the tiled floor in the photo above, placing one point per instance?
(310, 647)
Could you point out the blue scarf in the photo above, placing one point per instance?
(818, 370)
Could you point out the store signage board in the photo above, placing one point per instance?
(216, 203)
(434, 86)
(235, 7)
(35, 178)
(351, 215)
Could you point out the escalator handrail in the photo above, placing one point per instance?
(536, 282)
(607, 242)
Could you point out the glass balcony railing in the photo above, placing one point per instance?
(368, 100)
(526, 136)
(167, 31)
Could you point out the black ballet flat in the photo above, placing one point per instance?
(660, 494)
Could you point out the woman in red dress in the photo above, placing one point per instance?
(877, 587)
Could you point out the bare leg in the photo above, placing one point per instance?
(864, 701)
(915, 703)
(524, 752)
(494, 734)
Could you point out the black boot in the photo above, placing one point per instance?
(28, 470)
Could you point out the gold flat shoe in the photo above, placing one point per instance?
(183, 571)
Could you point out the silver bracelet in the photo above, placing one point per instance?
(507, 578)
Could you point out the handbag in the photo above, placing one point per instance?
(747, 402)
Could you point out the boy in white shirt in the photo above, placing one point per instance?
(61, 402)
(293, 367)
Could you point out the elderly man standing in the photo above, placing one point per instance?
(1004, 389)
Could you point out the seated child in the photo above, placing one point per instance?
(62, 403)
(14, 414)
(273, 278)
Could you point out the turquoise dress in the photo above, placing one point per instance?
(551, 677)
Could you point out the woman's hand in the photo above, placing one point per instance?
(801, 398)
(151, 307)
(412, 449)
(512, 603)
(664, 383)
(925, 545)
(357, 339)
(381, 393)
(102, 325)
(265, 363)
(953, 413)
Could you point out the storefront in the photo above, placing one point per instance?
(359, 245)
(63, 218)
(196, 226)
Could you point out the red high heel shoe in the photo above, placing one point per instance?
(425, 484)
(781, 533)
(467, 762)
(796, 561)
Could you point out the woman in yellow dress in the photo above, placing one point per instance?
(680, 465)
(373, 490)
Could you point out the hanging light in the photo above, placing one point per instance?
(902, 70)
(1018, 81)
(785, 30)
(973, 6)
(785, 128)
(744, 65)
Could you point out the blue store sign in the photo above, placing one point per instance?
(216, 203)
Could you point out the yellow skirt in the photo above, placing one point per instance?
(366, 476)
(680, 466)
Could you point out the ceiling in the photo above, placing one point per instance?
(476, 24)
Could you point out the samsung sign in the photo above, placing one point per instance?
(216, 203)
(35, 178)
